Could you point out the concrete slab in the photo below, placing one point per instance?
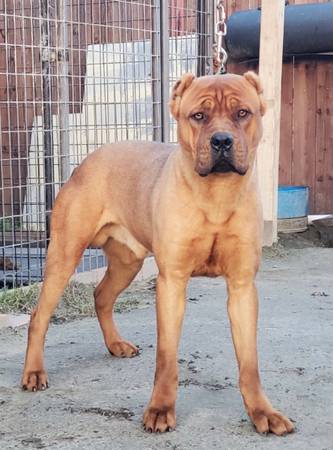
(96, 402)
(13, 320)
(325, 228)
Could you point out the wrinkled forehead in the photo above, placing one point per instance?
(220, 91)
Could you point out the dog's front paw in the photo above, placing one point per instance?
(161, 419)
(271, 420)
(122, 349)
(34, 380)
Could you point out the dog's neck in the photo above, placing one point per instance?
(215, 192)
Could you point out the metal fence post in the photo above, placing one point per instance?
(210, 19)
(201, 25)
(164, 60)
(205, 12)
(63, 92)
(47, 113)
(155, 72)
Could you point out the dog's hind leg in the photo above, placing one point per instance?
(72, 228)
(122, 269)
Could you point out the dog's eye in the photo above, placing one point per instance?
(198, 116)
(242, 113)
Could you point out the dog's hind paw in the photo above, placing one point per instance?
(34, 380)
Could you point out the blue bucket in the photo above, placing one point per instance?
(293, 201)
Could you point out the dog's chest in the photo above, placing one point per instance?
(209, 257)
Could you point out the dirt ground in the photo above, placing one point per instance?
(96, 401)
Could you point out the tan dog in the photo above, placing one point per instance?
(196, 208)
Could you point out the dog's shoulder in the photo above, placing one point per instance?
(134, 153)
(126, 157)
(137, 147)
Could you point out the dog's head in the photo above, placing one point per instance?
(219, 120)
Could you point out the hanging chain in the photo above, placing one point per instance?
(220, 56)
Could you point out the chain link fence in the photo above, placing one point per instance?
(74, 75)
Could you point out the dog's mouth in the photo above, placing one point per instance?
(223, 166)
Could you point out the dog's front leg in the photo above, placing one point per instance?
(160, 414)
(243, 313)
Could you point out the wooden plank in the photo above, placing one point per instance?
(270, 70)
(286, 125)
(236, 5)
(303, 158)
(173, 18)
(323, 202)
(140, 24)
(232, 6)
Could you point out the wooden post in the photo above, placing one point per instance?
(270, 71)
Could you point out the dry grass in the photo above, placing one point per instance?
(77, 300)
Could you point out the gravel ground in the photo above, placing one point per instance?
(96, 401)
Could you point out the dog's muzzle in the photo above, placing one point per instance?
(222, 154)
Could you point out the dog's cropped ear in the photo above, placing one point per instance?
(177, 93)
(253, 79)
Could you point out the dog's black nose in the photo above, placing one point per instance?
(221, 141)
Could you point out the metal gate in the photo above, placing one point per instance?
(74, 75)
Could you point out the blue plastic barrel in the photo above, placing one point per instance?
(293, 201)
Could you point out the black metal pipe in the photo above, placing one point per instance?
(308, 29)
(47, 113)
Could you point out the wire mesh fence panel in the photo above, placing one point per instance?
(73, 76)
(190, 42)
